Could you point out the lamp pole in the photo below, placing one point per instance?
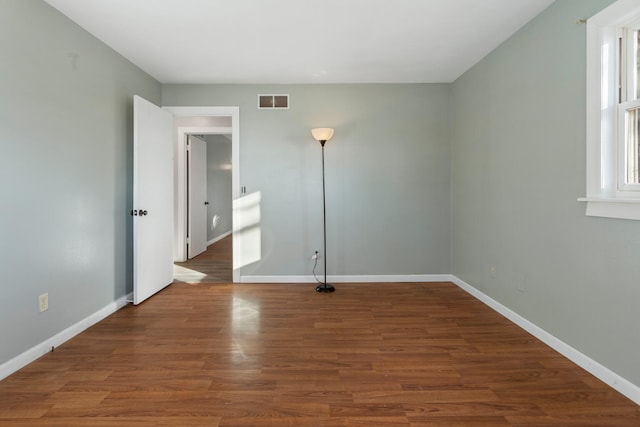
(325, 287)
(322, 135)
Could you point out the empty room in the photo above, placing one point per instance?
(320, 213)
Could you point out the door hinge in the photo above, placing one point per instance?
(188, 240)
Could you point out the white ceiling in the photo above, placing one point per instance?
(302, 41)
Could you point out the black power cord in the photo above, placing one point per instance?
(315, 264)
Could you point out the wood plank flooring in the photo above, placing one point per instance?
(421, 354)
(212, 266)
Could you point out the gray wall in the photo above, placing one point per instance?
(518, 165)
(218, 185)
(388, 195)
(65, 172)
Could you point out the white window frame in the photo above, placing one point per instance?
(605, 196)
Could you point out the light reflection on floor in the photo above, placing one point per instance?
(245, 324)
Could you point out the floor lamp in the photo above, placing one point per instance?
(322, 135)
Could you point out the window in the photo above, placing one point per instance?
(628, 112)
(613, 112)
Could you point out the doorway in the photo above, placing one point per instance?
(209, 190)
(209, 211)
(204, 121)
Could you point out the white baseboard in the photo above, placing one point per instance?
(350, 279)
(601, 372)
(43, 348)
(220, 237)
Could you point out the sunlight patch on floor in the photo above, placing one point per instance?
(187, 275)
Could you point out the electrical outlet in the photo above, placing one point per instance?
(43, 302)
(522, 283)
(492, 271)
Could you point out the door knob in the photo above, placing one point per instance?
(134, 212)
(206, 203)
(143, 212)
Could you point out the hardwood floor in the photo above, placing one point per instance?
(422, 354)
(212, 266)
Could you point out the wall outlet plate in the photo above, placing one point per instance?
(43, 302)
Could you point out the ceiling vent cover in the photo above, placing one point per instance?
(273, 102)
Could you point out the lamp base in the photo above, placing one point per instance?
(325, 288)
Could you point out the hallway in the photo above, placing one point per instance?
(212, 266)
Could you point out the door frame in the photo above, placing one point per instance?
(180, 170)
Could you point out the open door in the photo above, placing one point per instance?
(152, 199)
(197, 238)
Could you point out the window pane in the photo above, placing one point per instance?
(620, 69)
(632, 146)
(636, 55)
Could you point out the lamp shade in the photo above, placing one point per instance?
(322, 134)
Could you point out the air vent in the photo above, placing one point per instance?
(273, 102)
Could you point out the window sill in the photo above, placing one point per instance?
(612, 207)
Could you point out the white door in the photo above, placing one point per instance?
(152, 199)
(198, 204)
